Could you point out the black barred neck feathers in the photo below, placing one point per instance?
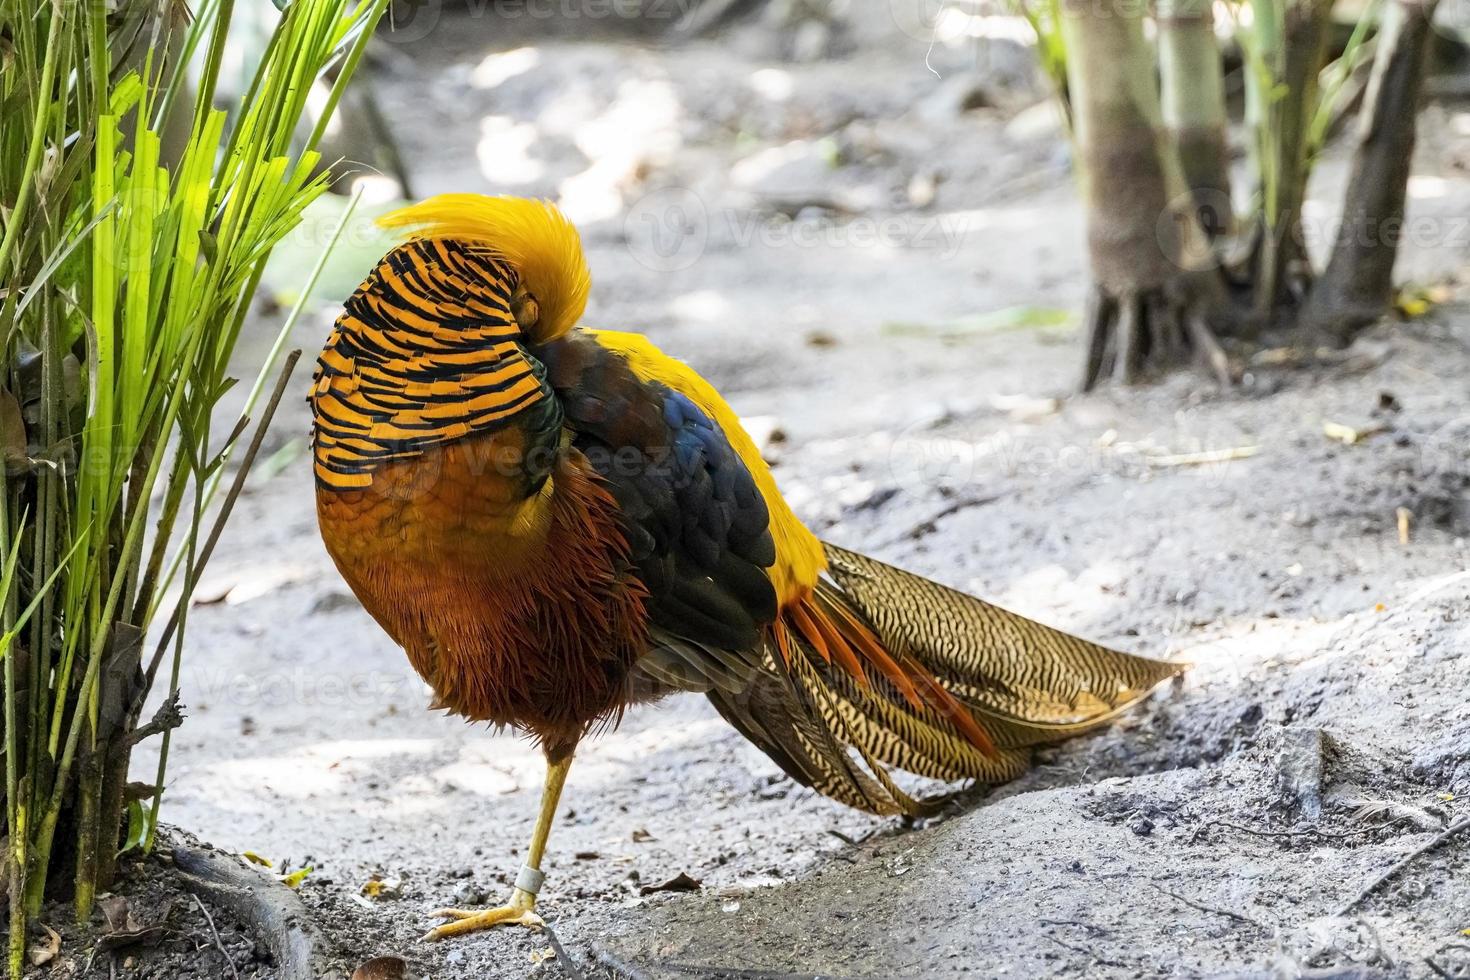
(426, 352)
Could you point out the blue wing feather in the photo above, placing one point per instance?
(696, 522)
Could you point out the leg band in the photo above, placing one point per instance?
(529, 880)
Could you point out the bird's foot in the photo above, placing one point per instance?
(518, 913)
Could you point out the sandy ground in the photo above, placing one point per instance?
(911, 339)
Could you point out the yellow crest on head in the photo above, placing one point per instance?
(533, 236)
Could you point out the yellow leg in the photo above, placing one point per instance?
(519, 910)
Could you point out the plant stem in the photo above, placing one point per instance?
(89, 834)
(16, 865)
(38, 137)
(15, 808)
(134, 335)
(44, 547)
(349, 69)
(197, 568)
(1283, 261)
(262, 378)
(101, 619)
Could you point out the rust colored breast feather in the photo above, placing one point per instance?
(516, 611)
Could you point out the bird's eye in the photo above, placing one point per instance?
(526, 310)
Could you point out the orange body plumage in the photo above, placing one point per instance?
(557, 522)
(442, 556)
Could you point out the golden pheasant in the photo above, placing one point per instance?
(557, 523)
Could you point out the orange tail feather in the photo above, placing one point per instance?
(839, 635)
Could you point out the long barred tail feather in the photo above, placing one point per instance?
(1027, 683)
(949, 666)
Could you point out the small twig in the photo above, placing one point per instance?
(215, 933)
(169, 716)
(1208, 347)
(226, 507)
(722, 972)
(1449, 834)
(562, 959)
(1083, 950)
(1204, 458)
(621, 969)
(1090, 927)
(1379, 952)
(1227, 913)
(1440, 970)
(1308, 832)
(851, 841)
(927, 526)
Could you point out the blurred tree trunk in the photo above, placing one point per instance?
(1142, 234)
(1192, 70)
(1358, 284)
(1151, 145)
